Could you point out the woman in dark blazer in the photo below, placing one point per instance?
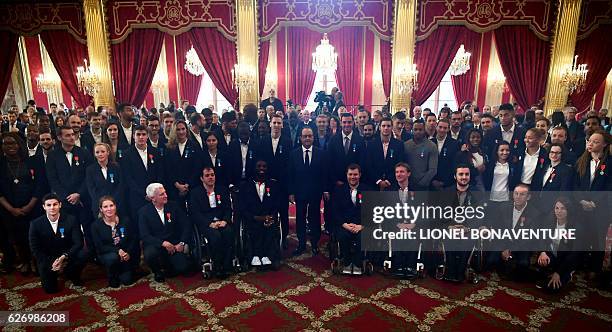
(104, 178)
(183, 160)
(593, 175)
(114, 241)
(20, 192)
(111, 137)
(217, 159)
(473, 155)
(500, 169)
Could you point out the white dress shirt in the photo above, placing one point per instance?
(32, 152)
(54, 224)
(104, 172)
(507, 134)
(499, 186)
(594, 168)
(354, 195)
(69, 157)
(181, 147)
(261, 190)
(143, 156)
(441, 143)
(128, 133)
(516, 214)
(160, 213)
(275, 142)
(212, 199)
(530, 162)
(198, 138)
(304, 154)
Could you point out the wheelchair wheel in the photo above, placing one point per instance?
(368, 268)
(207, 271)
(440, 271)
(335, 266)
(196, 248)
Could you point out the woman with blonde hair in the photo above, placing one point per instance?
(104, 177)
(114, 240)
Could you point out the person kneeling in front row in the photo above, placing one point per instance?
(114, 241)
(57, 243)
(164, 230)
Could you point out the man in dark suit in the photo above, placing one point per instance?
(126, 117)
(347, 209)
(273, 101)
(65, 167)
(590, 126)
(275, 150)
(259, 202)
(196, 122)
(513, 260)
(399, 131)
(308, 180)
(57, 244)
(530, 163)
(45, 145)
(211, 212)
(141, 166)
(243, 153)
(383, 153)
(227, 133)
(559, 136)
(92, 135)
(574, 128)
(165, 231)
(507, 131)
(13, 124)
(447, 150)
(457, 130)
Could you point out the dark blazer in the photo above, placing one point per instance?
(122, 138)
(137, 178)
(235, 155)
(487, 176)
(65, 179)
(578, 146)
(277, 163)
(176, 227)
(102, 237)
(377, 167)
(530, 218)
(251, 206)
(20, 126)
(88, 141)
(222, 166)
(98, 186)
(308, 183)
(540, 167)
(199, 207)
(446, 160)
(601, 181)
(405, 136)
(568, 252)
(161, 144)
(494, 136)
(20, 194)
(185, 168)
(223, 145)
(322, 143)
(344, 211)
(341, 160)
(192, 137)
(560, 179)
(40, 170)
(575, 131)
(48, 246)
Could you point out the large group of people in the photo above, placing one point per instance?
(111, 184)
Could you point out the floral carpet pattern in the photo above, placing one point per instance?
(305, 295)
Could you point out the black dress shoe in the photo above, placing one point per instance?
(77, 282)
(298, 251)
(114, 283)
(159, 277)
(315, 251)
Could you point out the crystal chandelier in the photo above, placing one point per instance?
(325, 58)
(461, 62)
(192, 63)
(498, 81)
(45, 84)
(243, 77)
(88, 80)
(407, 79)
(574, 78)
(159, 82)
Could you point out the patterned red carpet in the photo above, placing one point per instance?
(305, 295)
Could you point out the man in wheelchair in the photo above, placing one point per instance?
(347, 209)
(259, 206)
(211, 211)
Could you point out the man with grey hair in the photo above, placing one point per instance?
(165, 231)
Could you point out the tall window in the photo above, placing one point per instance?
(443, 95)
(209, 95)
(322, 83)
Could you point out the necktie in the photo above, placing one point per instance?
(347, 143)
(307, 159)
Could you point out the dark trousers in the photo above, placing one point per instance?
(221, 243)
(283, 212)
(72, 271)
(313, 209)
(158, 258)
(264, 240)
(456, 264)
(350, 247)
(516, 266)
(83, 216)
(115, 268)
(544, 273)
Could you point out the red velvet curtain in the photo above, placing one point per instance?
(189, 83)
(218, 55)
(301, 43)
(9, 42)
(592, 51)
(385, 66)
(464, 86)
(134, 62)
(433, 56)
(264, 50)
(524, 60)
(348, 42)
(67, 54)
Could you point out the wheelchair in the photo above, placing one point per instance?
(201, 253)
(420, 265)
(475, 263)
(336, 256)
